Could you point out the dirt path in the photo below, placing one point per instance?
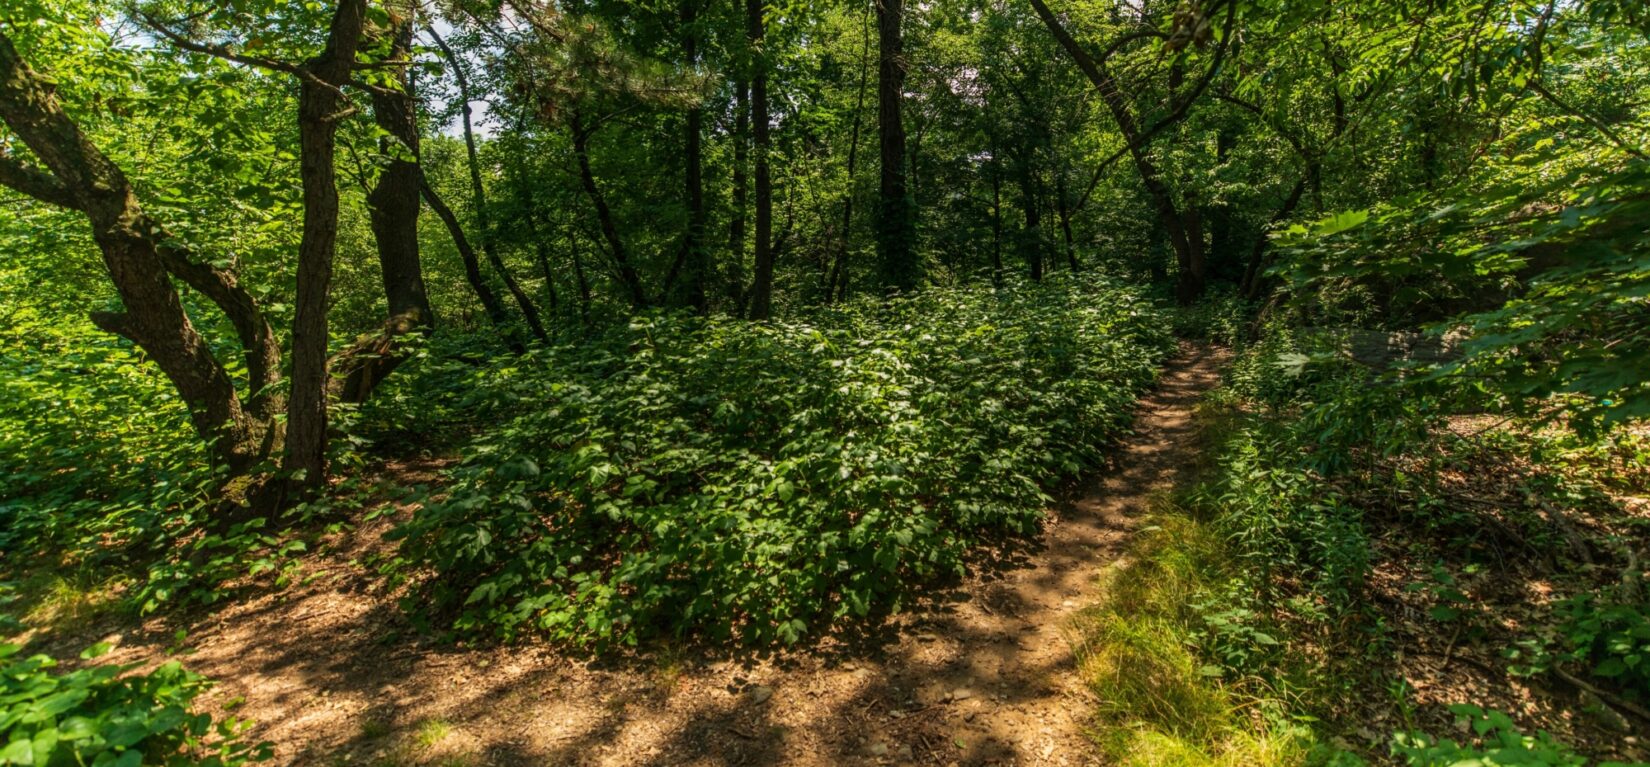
(985, 678)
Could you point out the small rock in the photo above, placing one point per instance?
(962, 693)
(878, 749)
(905, 752)
(759, 694)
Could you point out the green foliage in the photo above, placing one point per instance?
(766, 481)
(1499, 742)
(1221, 317)
(1611, 641)
(107, 716)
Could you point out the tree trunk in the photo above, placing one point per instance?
(1031, 240)
(838, 280)
(761, 293)
(472, 265)
(1189, 287)
(1063, 208)
(392, 207)
(478, 195)
(996, 220)
(320, 107)
(139, 259)
(1252, 273)
(604, 215)
(693, 258)
(579, 279)
(741, 183)
(896, 225)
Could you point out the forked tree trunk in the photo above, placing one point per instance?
(140, 261)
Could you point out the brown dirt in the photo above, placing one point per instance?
(332, 674)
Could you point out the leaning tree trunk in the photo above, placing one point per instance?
(1189, 286)
(472, 265)
(478, 195)
(604, 215)
(140, 261)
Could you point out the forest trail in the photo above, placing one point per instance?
(984, 676)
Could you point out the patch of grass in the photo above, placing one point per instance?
(1160, 704)
(372, 729)
(431, 732)
(66, 598)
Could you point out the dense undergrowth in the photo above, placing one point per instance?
(763, 482)
(107, 716)
(1301, 601)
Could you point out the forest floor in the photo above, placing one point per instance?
(331, 672)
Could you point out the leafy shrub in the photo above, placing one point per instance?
(763, 481)
(103, 715)
(1281, 518)
(1221, 317)
(1611, 641)
(1500, 743)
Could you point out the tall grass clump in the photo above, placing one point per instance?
(764, 481)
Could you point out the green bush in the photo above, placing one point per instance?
(763, 481)
(1500, 743)
(1608, 640)
(108, 717)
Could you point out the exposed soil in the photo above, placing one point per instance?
(332, 674)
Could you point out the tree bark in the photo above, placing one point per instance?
(321, 105)
(392, 207)
(761, 292)
(896, 225)
(741, 184)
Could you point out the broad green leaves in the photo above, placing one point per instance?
(765, 482)
(106, 715)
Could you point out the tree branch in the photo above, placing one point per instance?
(37, 183)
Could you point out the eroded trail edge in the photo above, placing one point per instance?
(985, 678)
